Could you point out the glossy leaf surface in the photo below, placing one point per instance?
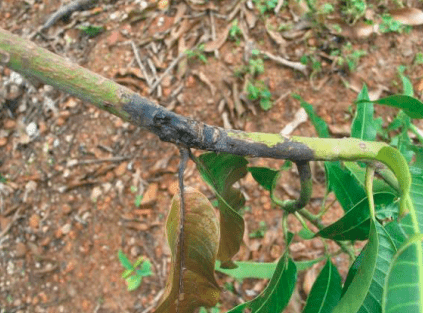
(261, 270)
(276, 296)
(357, 291)
(373, 301)
(326, 291)
(347, 189)
(403, 287)
(318, 123)
(355, 224)
(364, 126)
(264, 176)
(411, 106)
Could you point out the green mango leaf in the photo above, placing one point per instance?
(357, 291)
(221, 171)
(402, 141)
(326, 290)
(355, 224)
(416, 193)
(133, 282)
(261, 270)
(276, 296)
(191, 282)
(373, 301)
(418, 152)
(124, 260)
(347, 189)
(265, 177)
(353, 270)
(306, 233)
(318, 123)
(406, 83)
(403, 287)
(359, 173)
(411, 106)
(396, 230)
(364, 126)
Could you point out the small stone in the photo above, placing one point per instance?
(173, 187)
(34, 221)
(31, 129)
(66, 228)
(3, 141)
(9, 124)
(66, 209)
(150, 195)
(135, 251)
(58, 233)
(60, 121)
(190, 82)
(121, 169)
(43, 128)
(20, 250)
(96, 193)
(4, 221)
(45, 242)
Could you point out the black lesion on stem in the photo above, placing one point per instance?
(188, 133)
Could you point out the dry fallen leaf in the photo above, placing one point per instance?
(216, 44)
(408, 16)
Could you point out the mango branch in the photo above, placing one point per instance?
(37, 63)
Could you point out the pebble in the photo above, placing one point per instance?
(66, 228)
(96, 193)
(9, 124)
(31, 129)
(34, 221)
(150, 195)
(121, 169)
(3, 141)
(20, 250)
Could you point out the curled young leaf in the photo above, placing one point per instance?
(221, 171)
(191, 282)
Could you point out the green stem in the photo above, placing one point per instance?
(416, 131)
(370, 173)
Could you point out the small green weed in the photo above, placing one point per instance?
(348, 56)
(418, 59)
(316, 65)
(256, 67)
(235, 32)
(260, 232)
(134, 273)
(259, 91)
(137, 201)
(197, 53)
(389, 25)
(354, 9)
(91, 30)
(265, 5)
(3, 179)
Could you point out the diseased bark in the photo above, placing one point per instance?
(32, 61)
